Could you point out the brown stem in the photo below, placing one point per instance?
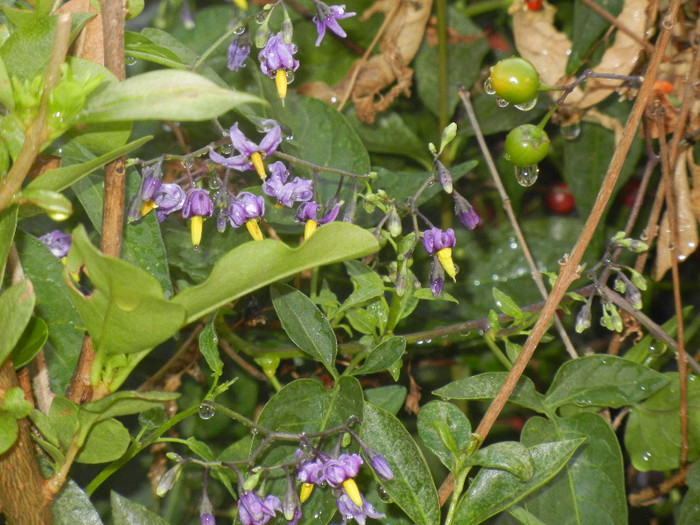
(570, 265)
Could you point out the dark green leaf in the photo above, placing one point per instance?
(16, 306)
(305, 325)
(258, 263)
(494, 490)
(31, 342)
(389, 398)
(445, 430)
(72, 506)
(602, 381)
(106, 441)
(209, 347)
(506, 455)
(587, 28)
(412, 488)
(574, 495)
(506, 305)
(366, 284)
(382, 356)
(8, 224)
(486, 386)
(127, 402)
(127, 512)
(653, 432)
(690, 507)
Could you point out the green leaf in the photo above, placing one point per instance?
(653, 431)
(127, 512)
(412, 488)
(486, 386)
(127, 402)
(6, 98)
(494, 490)
(61, 178)
(159, 47)
(445, 430)
(16, 306)
(505, 455)
(55, 204)
(14, 404)
(106, 441)
(209, 347)
(163, 95)
(690, 507)
(587, 28)
(30, 343)
(9, 431)
(366, 283)
(258, 263)
(506, 305)
(602, 381)
(8, 224)
(72, 506)
(127, 311)
(574, 495)
(305, 325)
(389, 398)
(382, 356)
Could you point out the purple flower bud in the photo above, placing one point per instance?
(327, 17)
(443, 176)
(435, 240)
(207, 519)
(381, 467)
(252, 510)
(244, 207)
(286, 193)
(437, 277)
(465, 212)
(277, 55)
(169, 198)
(149, 187)
(238, 51)
(197, 203)
(57, 242)
(206, 511)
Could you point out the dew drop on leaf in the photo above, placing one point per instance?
(206, 410)
(526, 175)
(571, 132)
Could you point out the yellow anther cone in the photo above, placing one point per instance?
(351, 489)
(305, 492)
(196, 229)
(254, 229)
(257, 161)
(281, 82)
(309, 229)
(445, 258)
(147, 207)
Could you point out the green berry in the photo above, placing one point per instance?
(515, 80)
(526, 145)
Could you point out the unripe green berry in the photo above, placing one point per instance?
(526, 145)
(515, 80)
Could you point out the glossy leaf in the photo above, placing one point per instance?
(506, 455)
(506, 305)
(382, 356)
(390, 398)
(107, 441)
(256, 264)
(602, 381)
(209, 347)
(445, 431)
(653, 431)
(127, 311)
(412, 488)
(31, 342)
(16, 306)
(486, 386)
(54, 204)
(72, 505)
(574, 495)
(127, 512)
(61, 178)
(494, 490)
(163, 95)
(8, 431)
(15, 404)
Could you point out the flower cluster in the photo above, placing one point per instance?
(250, 155)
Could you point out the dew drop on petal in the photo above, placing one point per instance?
(290, 76)
(488, 87)
(239, 30)
(206, 410)
(501, 102)
(526, 175)
(527, 106)
(571, 132)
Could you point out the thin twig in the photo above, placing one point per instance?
(534, 272)
(570, 265)
(637, 499)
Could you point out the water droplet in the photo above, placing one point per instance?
(334, 100)
(129, 60)
(383, 495)
(290, 76)
(571, 132)
(206, 410)
(261, 17)
(488, 87)
(226, 149)
(214, 183)
(239, 30)
(501, 102)
(196, 247)
(526, 175)
(527, 106)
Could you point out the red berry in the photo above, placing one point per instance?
(629, 191)
(559, 199)
(534, 5)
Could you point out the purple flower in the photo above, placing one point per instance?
(207, 519)
(168, 199)
(245, 207)
(276, 55)
(251, 154)
(326, 17)
(435, 240)
(197, 204)
(238, 51)
(465, 212)
(286, 193)
(349, 510)
(310, 471)
(149, 187)
(308, 211)
(206, 511)
(336, 471)
(252, 510)
(437, 277)
(57, 242)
